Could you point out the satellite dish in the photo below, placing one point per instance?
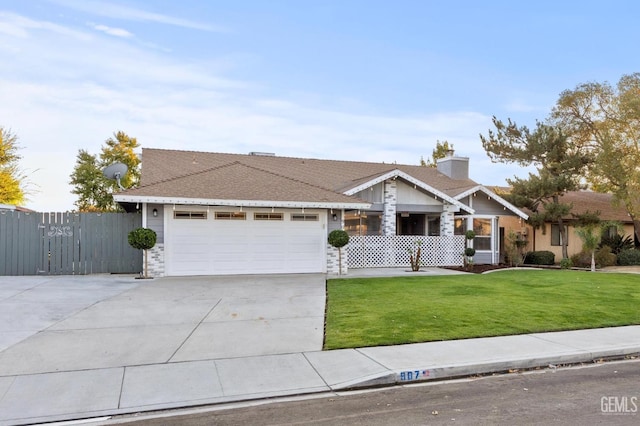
(115, 171)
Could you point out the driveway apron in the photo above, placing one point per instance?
(58, 324)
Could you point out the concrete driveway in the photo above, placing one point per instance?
(63, 323)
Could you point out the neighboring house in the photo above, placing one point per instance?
(218, 213)
(549, 237)
(11, 207)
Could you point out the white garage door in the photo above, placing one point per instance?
(223, 241)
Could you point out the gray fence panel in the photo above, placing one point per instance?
(67, 243)
(19, 243)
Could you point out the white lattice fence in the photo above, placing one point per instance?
(387, 251)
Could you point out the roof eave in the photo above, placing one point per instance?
(496, 197)
(124, 198)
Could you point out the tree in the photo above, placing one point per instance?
(559, 168)
(441, 150)
(142, 239)
(606, 121)
(12, 179)
(589, 229)
(95, 192)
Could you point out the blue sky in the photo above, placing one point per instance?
(356, 80)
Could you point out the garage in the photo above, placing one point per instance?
(223, 240)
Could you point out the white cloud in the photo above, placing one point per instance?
(116, 11)
(118, 32)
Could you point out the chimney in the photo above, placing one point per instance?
(454, 167)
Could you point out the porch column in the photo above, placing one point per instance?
(390, 201)
(447, 220)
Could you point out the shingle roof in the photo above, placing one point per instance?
(191, 174)
(584, 201)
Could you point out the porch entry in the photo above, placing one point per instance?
(417, 224)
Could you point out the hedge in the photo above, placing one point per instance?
(629, 257)
(542, 257)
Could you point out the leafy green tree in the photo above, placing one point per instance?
(606, 121)
(12, 179)
(559, 169)
(94, 191)
(441, 150)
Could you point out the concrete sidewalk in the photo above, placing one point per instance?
(89, 393)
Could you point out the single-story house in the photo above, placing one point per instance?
(219, 213)
(549, 238)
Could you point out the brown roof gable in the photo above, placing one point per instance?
(190, 174)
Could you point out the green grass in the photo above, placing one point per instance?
(389, 311)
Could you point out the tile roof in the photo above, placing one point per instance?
(206, 175)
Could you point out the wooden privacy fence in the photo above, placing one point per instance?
(388, 251)
(67, 243)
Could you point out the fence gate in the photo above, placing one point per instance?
(67, 243)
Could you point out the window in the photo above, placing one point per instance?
(305, 217)
(363, 224)
(556, 237)
(434, 226)
(231, 215)
(460, 226)
(610, 231)
(189, 215)
(268, 216)
(482, 228)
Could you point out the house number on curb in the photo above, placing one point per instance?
(60, 231)
(406, 376)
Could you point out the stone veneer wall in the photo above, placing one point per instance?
(333, 261)
(447, 220)
(390, 201)
(155, 261)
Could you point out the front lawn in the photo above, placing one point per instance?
(389, 311)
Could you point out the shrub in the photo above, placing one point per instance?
(338, 238)
(142, 239)
(617, 243)
(542, 257)
(603, 257)
(629, 257)
(566, 263)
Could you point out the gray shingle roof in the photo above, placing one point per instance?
(205, 175)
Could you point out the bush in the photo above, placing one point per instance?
(540, 258)
(566, 263)
(617, 243)
(603, 257)
(629, 257)
(338, 238)
(142, 238)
